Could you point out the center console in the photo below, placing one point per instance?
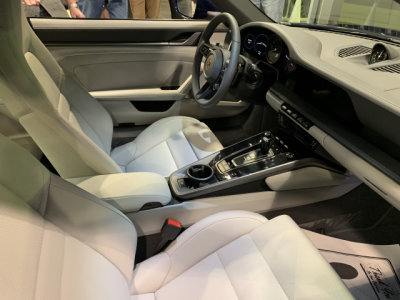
(254, 159)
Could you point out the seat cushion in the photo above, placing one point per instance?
(239, 255)
(166, 146)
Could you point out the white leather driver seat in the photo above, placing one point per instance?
(74, 130)
(59, 242)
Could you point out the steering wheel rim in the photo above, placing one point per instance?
(220, 65)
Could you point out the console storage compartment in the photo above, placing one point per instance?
(127, 191)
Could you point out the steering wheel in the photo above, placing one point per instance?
(220, 64)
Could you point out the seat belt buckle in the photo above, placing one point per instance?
(169, 231)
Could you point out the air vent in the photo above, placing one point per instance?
(390, 68)
(353, 51)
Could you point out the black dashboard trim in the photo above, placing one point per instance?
(376, 157)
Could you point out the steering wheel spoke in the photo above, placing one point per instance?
(206, 91)
(205, 49)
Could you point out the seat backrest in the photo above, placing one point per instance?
(57, 241)
(72, 129)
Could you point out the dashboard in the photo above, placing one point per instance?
(347, 86)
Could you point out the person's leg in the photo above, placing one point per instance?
(152, 9)
(118, 9)
(105, 14)
(138, 9)
(91, 8)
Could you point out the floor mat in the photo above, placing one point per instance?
(369, 271)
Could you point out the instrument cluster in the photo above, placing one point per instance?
(264, 46)
(267, 47)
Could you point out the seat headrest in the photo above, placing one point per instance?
(10, 14)
(12, 24)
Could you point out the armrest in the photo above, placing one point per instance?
(127, 191)
(152, 94)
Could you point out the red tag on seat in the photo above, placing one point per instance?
(175, 223)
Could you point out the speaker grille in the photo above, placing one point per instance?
(390, 68)
(353, 51)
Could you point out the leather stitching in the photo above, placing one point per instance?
(170, 152)
(191, 146)
(163, 141)
(227, 275)
(162, 122)
(216, 223)
(272, 271)
(62, 270)
(43, 204)
(207, 254)
(40, 254)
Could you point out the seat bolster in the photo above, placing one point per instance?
(197, 242)
(202, 139)
(150, 274)
(214, 232)
(167, 145)
(93, 222)
(166, 128)
(73, 154)
(160, 131)
(124, 154)
(297, 265)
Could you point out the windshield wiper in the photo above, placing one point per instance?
(367, 31)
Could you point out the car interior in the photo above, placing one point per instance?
(228, 158)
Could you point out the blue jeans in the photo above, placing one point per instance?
(118, 9)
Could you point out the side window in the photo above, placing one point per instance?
(120, 9)
(195, 9)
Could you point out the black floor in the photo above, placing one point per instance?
(359, 216)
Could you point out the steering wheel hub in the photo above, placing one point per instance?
(213, 66)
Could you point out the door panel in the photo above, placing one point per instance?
(129, 63)
(100, 68)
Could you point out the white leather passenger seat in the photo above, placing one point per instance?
(59, 242)
(73, 129)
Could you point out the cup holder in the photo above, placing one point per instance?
(198, 174)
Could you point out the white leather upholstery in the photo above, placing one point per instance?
(127, 191)
(57, 241)
(167, 145)
(239, 255)
(60, 242)
(71, 128)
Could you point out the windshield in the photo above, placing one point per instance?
(377, 16)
